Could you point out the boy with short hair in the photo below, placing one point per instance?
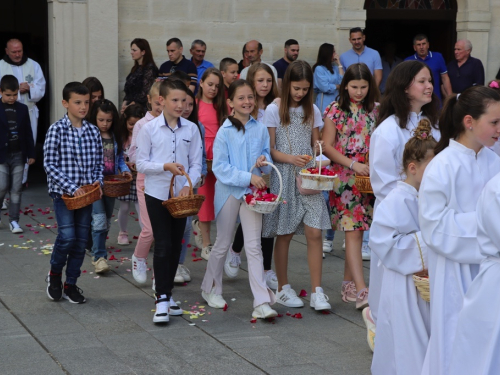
(229, 70)
(72, 158)
(16, 146)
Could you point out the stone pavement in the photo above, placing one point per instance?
(113, 332)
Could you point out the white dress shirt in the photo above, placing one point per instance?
(157, 144)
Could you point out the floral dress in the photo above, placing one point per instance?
(350, 209)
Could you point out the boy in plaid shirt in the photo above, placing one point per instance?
(72, 157)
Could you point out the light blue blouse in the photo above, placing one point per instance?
(325, 86)
(235, 153)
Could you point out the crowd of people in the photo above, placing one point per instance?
(429, 145)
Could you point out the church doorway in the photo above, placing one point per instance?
(27, 20)
(398, 21)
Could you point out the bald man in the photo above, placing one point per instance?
(254, 51)
(31, 83)
(30, 77)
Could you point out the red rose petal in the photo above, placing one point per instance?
(112, 257)
(303, 293)
(280, 315)
(118, 250)
(84, 271)
(136, 219)
(50, 217)
(288, 314)
(188, 245)
(135, 237)
(253, 320)
(193, 255)
(36, 232)
(195, 233)
(132, 213)
(225, 307)
(297, 316)
(325, 312)
(197, 259)
(183, 241)
(29, 225)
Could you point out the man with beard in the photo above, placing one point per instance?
(291, 54)
(359, 53)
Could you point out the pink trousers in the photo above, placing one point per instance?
(146, 237)
(251, 223)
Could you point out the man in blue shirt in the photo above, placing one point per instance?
(291, 54)
(362, 54)
(435, 61)
(198, 50)
(465, 71)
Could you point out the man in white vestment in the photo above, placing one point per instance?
(31, 82)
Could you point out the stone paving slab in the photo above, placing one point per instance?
(113, 332)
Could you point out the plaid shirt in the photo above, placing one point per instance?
(71, 161)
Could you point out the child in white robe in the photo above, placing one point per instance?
(408, 98)
(403, 316)
(477, 341)
(451, 186)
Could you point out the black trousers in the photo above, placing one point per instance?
(266, 243)
(167, 232)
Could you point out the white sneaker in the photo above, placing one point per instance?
(15, 228)
(198, 239)
(287, 297)
(271, 279)
(178, 277)
(232, 264)
(366, 252)
(174, 309)
(327, 246)
(214, 300)
(162, 307)
(139, 269)
(205, 252)
(183, 270)
(319, 300)
(264, 311)
(4, 204)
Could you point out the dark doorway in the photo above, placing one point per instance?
(401, 25)
(27, 20)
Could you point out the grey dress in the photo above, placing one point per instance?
(299, 209)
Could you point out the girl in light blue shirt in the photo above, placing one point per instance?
(240, 143)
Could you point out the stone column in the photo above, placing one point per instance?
(83, 42)
(474, 23)
(350, 14)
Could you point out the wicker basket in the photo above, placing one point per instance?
(363, 183)
(119, 188)
(421, 279)
(317, 181)
(209, 165)
(180, 207)
(266, 207)
(91, 195)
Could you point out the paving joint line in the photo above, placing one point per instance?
(35, 338)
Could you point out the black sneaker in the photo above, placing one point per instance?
(54, 286)
(73, 294)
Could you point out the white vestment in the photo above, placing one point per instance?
(476, 347)
(36, 83)
(403, 316)
(386, 169)
(450, 189)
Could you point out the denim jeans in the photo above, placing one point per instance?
(11, 176)
(168, 232)
(102, 211)
(330, 233)
(366, 237)
(69, 247)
